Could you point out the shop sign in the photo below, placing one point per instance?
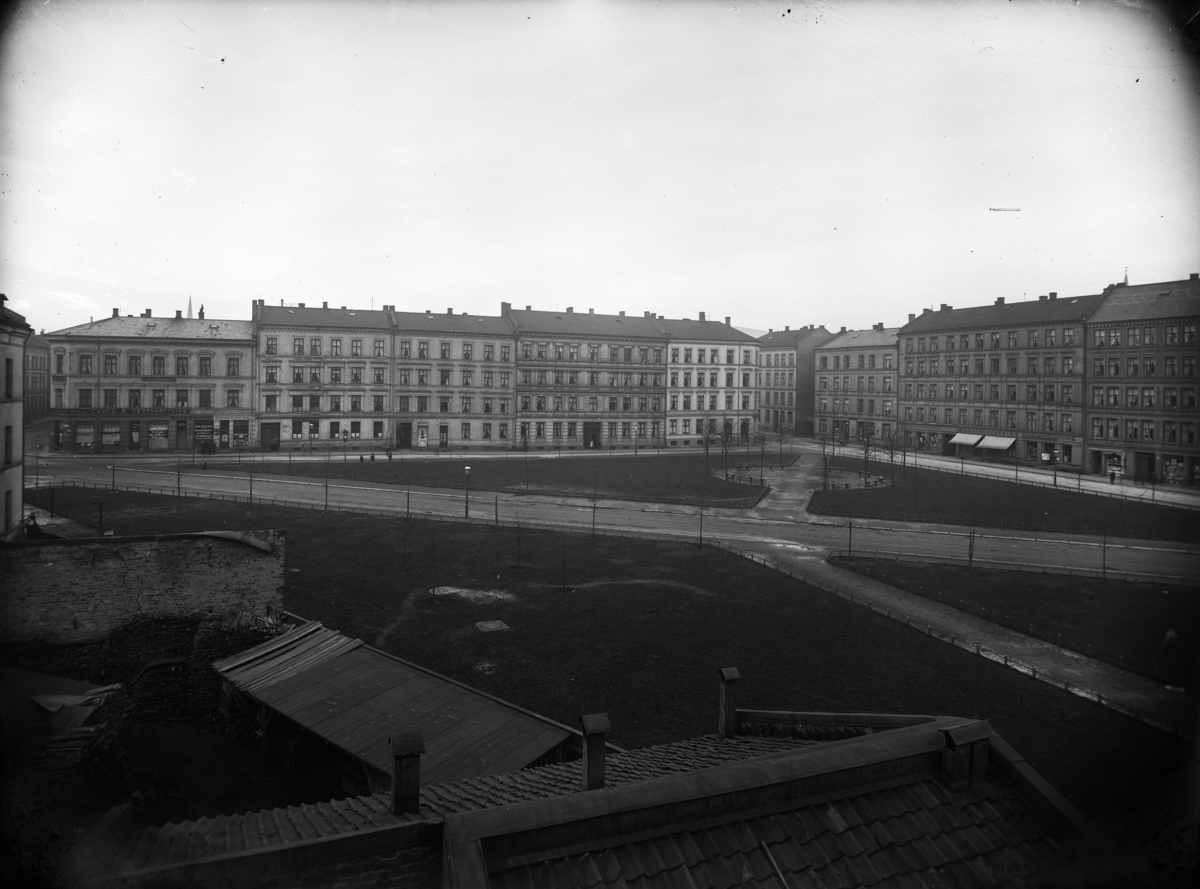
(203, 428)
(158, 436)
(134, 410)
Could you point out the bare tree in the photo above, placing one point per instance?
(891, 444)
(866, 442)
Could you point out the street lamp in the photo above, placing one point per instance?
(345, 445)
(467, 492)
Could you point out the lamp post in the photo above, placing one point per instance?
(345, 444)
(467, 492)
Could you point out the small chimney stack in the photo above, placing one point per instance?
(911, 317)
(787, 327)
(727, 324)
(595, 728)
(1054, 294)
(201, 313)
(1194, 276)
(450, 311)
(407, 748)
(999, 302)
(146, 314)
(646, 315)
(701, 316)
(591, 311)
(116, 313)
(529, 308)
(325, 305)
(178, 314)
(622, 313)
(965, 756)
(727, 719)
(570, 310)
(944, 308)
(300, 305)
(843, 330)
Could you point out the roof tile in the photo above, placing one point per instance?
(864, 838)
(960, 875)
(889, 862)
(924, 792)
(846, 810)
(928, 851)
(946, 845)
(669, 851)
(907, 798)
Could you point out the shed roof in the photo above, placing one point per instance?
(1138, 302)
(161, 329)
(353, 696)
(1040, 311)
(858, 339)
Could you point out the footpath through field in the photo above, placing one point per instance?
(780, 532)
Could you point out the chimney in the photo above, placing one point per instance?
(429, 311)
(505, 307)
(944, 308)
(178, 314)
(570, 310)
(595, 727)
(911, 317)
(591, 311)
(999, 302)
(1054, 294)
(770, 330)
(727, 718)
(300, 305)
(1042, 298)
(727, 324)
(787, 327)
(843, 330)
(407, 748)
(878, 326)
(201, 312)
(1194, 276)
(529, 308)
(647, 314)
(449, 311)
(325, 305)
(146, 314)
(701, 316)
(926, 311)
(965, 756)
(622, 313)
(116, 313)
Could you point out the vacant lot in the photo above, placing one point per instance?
(665, 478)
(640, 628)
(927, 495)
(1150, 628)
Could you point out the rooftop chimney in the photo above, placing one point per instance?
(701, 316)
(450, 311)
(647, 314)
(911, 317)
(727, 718)
(595, 727)
(878, 326)
(944, 308)
(1042, 298)
(529, 308)
(201, 312)
(926, 311)
(429, 311)
(999, 302)
(727, 324)
(622, 313)
(965, 756)
(1054, 294)
(116, 313)
(591, 311)
(407, 748)
(179, 313)
(505, 307)
(570, 310)
(300, 305)
(843, 330)
(1194, 276)
(146, 314)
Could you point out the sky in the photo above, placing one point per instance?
(835, 163)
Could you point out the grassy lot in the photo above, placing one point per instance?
(641, 629)
(665, 478)
(1122, 622)
(928, 495)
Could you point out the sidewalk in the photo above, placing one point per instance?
(1110, 686)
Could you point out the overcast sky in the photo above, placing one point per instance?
(842, 163)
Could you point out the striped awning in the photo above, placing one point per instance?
(996, 443)
(964, 438)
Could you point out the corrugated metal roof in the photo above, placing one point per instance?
(354, 696)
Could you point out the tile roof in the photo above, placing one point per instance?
(782, 339)
(1169, 299)
(311, 316)
(1014, 314)
(353, 696)
(920, 834)
(584, 324)
(432, 322)
(162, 329)
(858, 339)
(702, 331)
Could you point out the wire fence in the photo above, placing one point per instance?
(976, 648)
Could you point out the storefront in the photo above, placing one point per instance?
(121, 430)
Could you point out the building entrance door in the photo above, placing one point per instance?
(223, 441)
(269, 433)
(404, 436)
(591, 436)
(443, 436)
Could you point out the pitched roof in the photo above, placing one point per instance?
(858, 339)
(311, 316)
(1040, 311)
(702, 331)
(1169, 299)
(571, 323)
(480, 325)
(783, 339)
(353, 696)
(162, 329)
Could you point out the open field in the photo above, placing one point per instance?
(1121, 622)
(927, 495)
(641, 629)
(666, 478)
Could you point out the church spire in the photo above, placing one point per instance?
(189, 305)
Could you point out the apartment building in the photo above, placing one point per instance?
(1142, 351)
(37, 378)
(857, 385)
(141, 383)
(787, 380)
(14, 333)
(454, 378)
(998, 381)
(588, 381)
(711, 388)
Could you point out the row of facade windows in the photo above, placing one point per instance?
(158, 365)
(865, 384)
(1048, 392)
(1034, 339)
(1144, 396)
(714, 356)
(1042, 365)
(205, 398)
(1173, 335)
(866, 361)
(1047, 421)
(1119, 428)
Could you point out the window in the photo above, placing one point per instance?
(1172, 335)
(1171, 366)
(272, 345)
(356, 376)
(377, 375)
(1131, 430)
(314, 346)
(298, 345)
(335, 403)
(1068, 336)
(1189, 365)
(233, 367)
(356, 429)
(1170, 397)
(314, 375)
(995, 339)
(466, 432)
(1170, 431)
(355, 403)
(378, 353)
(1012, 339)
(297, 374)
(356, 348)
(443, 405)
(1131, 397)
(376, 402)
(402, 404)
(1188, 399)
(271, 402)
(1114, 367)
(422, 404)
(233, 398)
(335, 346)
(1097, 427)
(314, 403)
(335, 375)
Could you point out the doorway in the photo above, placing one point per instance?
(404, 436)
(591, 436)
(270, 436)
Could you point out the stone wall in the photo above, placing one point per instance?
(79, 590)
